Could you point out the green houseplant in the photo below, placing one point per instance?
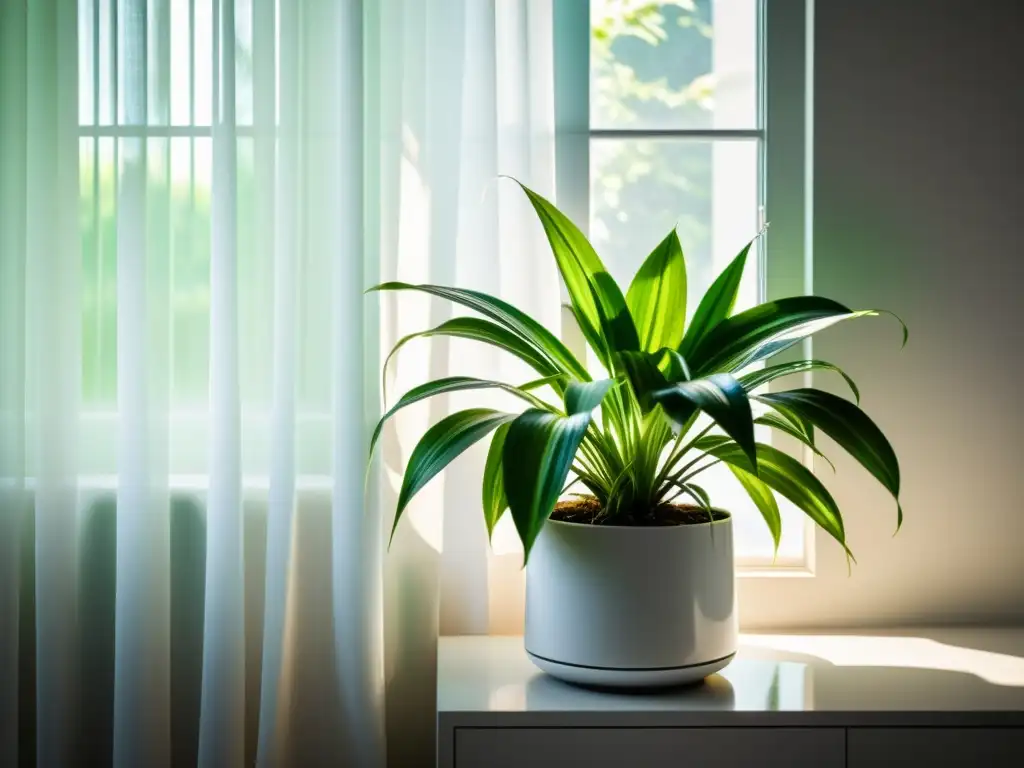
(634, 437)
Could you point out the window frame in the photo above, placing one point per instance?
(784, 131)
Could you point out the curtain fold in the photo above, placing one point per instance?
(52, 273)
(13, 339)
(142, 610)
(277, 218)
(194, 196)
(222, 725)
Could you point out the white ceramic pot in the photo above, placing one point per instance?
(630, 606)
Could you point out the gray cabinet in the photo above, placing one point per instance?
(936, 747)
(649, 747)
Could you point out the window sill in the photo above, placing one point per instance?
(773, 572)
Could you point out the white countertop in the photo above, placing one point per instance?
(960, 670)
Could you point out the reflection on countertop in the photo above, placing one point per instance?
(961, 669)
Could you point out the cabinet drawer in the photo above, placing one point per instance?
(936, 747)
(649, 747)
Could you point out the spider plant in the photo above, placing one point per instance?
(632, 436)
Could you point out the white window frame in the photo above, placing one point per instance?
(785, 132)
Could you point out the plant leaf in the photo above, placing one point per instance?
(696, 493)
(538, 453)
(702, 498)
(644, 376)
(850, 427)
(763, 499)
(716, 304)
(508, 316)
(601, 309)
(787, 476)
(580, 397)
(615, 491)
(494, 499)
(454, 384)
(673, 365)
(546, 381)
(906, 331)
(539, 450)
(479, 329)
(766, 330)
(794, 419)
(756, 379)
(722, 398)
(705, 498)
(782, 424)
(657, 296)
(649, 372)
(439, 445)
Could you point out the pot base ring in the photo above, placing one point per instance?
(617, 677)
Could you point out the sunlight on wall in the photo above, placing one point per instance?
(505, 539)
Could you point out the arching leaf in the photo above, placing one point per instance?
(782, 424)
(442, 443)
(600, 306)
(850, 427)
(787, 476)
(538, 453)
(586, 397)
(657, 296)
(494, 500)
(763, 499)
(755, 379)
(719, 396)
(479, 329)
(454, 384)
(716, 304)
(506, 315)
(767, 329)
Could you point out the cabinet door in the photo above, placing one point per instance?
(936, 747)
(649, 747)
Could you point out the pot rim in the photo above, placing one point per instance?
(680, 526)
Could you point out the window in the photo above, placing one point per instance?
(163, 109)
(665, 120)
(686, 113)
(176, 126)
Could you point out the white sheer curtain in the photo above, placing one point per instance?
(194, 195)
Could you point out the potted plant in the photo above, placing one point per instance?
(626, 586)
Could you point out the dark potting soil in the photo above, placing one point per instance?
(587, 510)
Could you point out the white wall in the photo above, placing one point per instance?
(919, 206)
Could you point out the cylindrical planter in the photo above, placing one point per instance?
(631, 606)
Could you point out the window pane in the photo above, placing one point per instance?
(683, 64)
(86, 61)
(107, 61)
(97, 204)
(181, 63)
(191, 161)
(243, 62)
(708, 190)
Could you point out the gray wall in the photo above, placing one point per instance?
(919, 207)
